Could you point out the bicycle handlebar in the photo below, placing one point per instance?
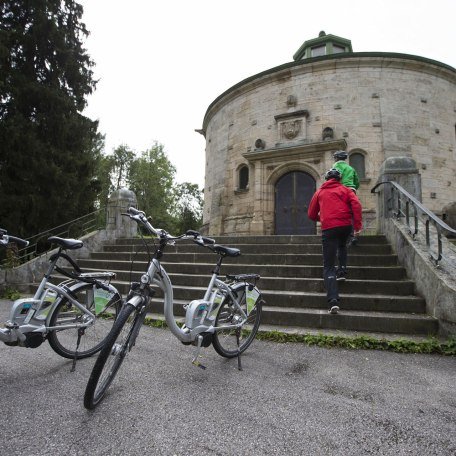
(5, 239)
(140, 217)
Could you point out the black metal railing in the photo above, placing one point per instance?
(38, 244)
(402, 205)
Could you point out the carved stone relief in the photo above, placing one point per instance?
(290, 128)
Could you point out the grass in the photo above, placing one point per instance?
(427, 346)
(10, 293)
(402, 345)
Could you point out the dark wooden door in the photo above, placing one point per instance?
(293, 193)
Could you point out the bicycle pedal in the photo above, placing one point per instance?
(198, 364)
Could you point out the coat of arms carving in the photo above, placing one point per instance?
(290, 129)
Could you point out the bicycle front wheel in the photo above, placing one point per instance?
(225, 341)
(64, 341)
(118, 343)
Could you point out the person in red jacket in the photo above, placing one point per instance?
(336, 207)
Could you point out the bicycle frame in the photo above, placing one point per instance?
(158, 276)
(200, 314)
(32, 315)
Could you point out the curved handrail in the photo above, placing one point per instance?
(38, 244)
(411, 202)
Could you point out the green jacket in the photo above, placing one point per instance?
(349, 176)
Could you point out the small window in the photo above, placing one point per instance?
(244, 178)
(356, 160)
(337, 49)
(318, 50)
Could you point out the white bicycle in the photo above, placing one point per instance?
(75, 316)
(228, 316)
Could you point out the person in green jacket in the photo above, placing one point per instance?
(349, 176)
(349, 179)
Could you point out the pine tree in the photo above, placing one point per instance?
(48, 149)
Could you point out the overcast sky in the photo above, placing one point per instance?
(161, 63)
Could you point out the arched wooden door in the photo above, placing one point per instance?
(293, 192)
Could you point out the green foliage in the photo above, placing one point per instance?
(151, 178)
(428, 346)
(121, 162)
(49, 150)
(188, 207)
(172, 206)
(113, 170)
(10, 293)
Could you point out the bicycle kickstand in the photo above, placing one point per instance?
(80, 333)
(198, 349)
(238, 333)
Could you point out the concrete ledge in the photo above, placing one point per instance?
(437, 285)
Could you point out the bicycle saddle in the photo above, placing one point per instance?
(68, 244)
(226, 251)
(243, 277)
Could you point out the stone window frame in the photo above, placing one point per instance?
(242, 184)
(363, 154)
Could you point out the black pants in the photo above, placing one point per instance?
(334, 243)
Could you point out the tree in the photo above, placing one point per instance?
(112, 171)
(188, 210)
(49, 150)
(122, 160)
(151, 178)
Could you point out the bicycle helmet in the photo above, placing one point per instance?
(340, 155)
(333, 173)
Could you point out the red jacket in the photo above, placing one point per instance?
(333, 205)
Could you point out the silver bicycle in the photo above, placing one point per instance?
(75, 316)
(228, 316)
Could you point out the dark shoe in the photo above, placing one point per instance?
(333, 306)
(341, 275)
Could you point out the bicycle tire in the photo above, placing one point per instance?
(117, 345)
(225, 341)
(64, 341)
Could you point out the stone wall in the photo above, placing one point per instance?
(436, 285)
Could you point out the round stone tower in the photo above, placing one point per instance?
(271, 137)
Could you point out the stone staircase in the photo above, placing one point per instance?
(376, 298)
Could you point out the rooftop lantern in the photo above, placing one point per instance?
(322, 46)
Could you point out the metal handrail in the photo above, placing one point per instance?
(37, 243)
(405, 202)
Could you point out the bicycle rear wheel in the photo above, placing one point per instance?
(118, 343)
(225, 341)
(64, 341)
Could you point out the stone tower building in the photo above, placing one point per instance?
(271, 137)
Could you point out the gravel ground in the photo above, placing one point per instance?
(289, 399)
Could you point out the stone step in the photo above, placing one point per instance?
(286, 284)
(405, 323)
(306, 285)
(281, 239)
(351, 301)
(345, 320)
(309, 271)
(377, 297)
(260, 259)
(366, 249)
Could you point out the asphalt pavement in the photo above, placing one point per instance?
(290, 399)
